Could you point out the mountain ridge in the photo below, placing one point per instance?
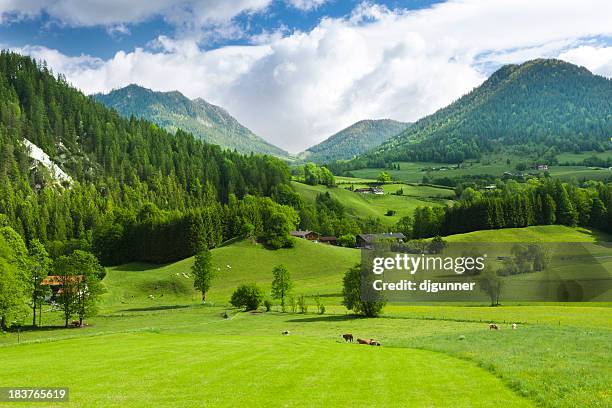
(172, 110)
(353, 140)
(543, 102)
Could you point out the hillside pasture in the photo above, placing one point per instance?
(373, 205)
(171, 349)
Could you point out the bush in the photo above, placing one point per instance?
(268, 305)
(292, 304)
(347, 240)
(247, 296)
(320, 306)
(390, 213)
(301, 301)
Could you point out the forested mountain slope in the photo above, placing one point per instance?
(136, 192)
(173, 111)
(354, 140)
(540, 104)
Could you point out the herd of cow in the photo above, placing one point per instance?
(348, 337)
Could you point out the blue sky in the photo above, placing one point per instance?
(297, 71)
(101, 41)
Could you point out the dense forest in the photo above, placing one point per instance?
(538, 105)
(537, 202)
(131, 180)
(173, 111)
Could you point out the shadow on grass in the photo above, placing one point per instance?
(138, 267)
(154, 308)
(30, 328)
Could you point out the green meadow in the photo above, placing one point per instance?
(170, 350)
(494, 165)
(373, 205)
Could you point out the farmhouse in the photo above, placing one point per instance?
(368, 240)
(331, 240)
(309, 235)
(57, 283)
(541, 167)
(370, 190)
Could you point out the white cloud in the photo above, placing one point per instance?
(195, 18)
(297, 88)
(306, 5)
(597, 59)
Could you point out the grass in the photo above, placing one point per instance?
(228, 371)
(495, 165)
(542, 233)
(315, 269)
(171, 350)
(372, 205)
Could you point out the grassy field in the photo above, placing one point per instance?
(542, 233)
(578, 157)
(413, 172)
(314, 269)
(372, 205)
(173, 351)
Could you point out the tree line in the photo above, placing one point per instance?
(537, 202)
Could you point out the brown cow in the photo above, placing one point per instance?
(348, 337)
(493, 326)
(374, 342)
(363, 341)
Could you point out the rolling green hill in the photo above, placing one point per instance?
(315, 268)
(173, 110)
(542, 233)
(371, 205)
(543, 103)
(354, 140)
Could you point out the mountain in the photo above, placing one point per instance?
(354, 140)
(173, 110)
(539, 104)
(75, 174)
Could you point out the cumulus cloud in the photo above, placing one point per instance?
(297, 88)
(597, 59)
(198, 19)
(306, 4)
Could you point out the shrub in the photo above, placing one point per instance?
(347, 240)
(301, 301)
(247, 296)
(390, 213)
(320, 306)
(292, 304)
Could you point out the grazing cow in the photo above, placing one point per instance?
(286, 333)
(493, 326)
(513, 326)
(363, 341)
(374, 342)
(348, 337)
